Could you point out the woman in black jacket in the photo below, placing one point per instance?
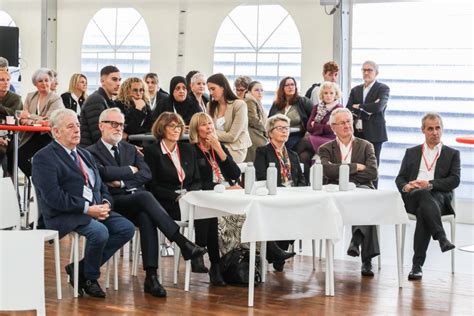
(286, 161)
(76, 95)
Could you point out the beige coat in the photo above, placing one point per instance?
(257, 120)
(235, 135)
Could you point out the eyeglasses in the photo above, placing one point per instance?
(141, 90)
(114, 124)
(174, 126)
(289, 84)
(281, 129)
(343, 123)
(367, 70)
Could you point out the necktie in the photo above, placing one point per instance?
(74, 157)
(116, 154)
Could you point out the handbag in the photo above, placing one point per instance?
(235, 267)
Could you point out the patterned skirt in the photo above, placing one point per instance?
(229, 230)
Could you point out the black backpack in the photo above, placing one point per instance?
(235, 267)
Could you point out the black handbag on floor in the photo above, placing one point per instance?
(235, 267)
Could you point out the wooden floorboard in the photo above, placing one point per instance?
(297, 291)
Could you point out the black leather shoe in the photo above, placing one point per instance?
(215, 275)
(70, 272)
(153, 286)
(416, 273)
(445, 244)
(190, 250)
(197, 265)
(353, 250)
(275, 253)
(92, 288)
(278, 265)
(366, 269)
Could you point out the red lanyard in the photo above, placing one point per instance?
(180, 170)
(86, 177)
(282, 165)
(348, 152)
(214, 165)
(424, 158)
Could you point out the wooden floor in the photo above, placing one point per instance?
(297, 291)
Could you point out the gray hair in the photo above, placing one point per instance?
(431, 116)
(271, 121)
(373, 64)
(197, 76)
(105, 113)
(3, 62)
(243, 81)
(40, 73)
(332, 118)
(57, 117)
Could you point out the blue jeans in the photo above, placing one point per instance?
(104, 238)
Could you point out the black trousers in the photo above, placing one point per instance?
(26, 151)
(207, 236)
(428, 207)
(147, 214)
(370, 242)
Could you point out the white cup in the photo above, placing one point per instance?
(10, 120)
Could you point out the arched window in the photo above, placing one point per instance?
(260, 41)
(6, 20)
(115, 36)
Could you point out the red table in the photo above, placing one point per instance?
(465, 140)
(15, 129)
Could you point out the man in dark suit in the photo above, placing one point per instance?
(368, 102)
(359, 155)
(428, 175)
(125, 172)
(97, 102)
(72, 197)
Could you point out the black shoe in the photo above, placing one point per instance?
(92, 288)
(197, 265)
(70, 272)
(275, 253)
(445, 244)
(278, 265)
(153, 286)
(353, 250)
(366, 269)
(215, 275)
(190, 250)
(416, 273)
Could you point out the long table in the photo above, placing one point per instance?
(297, 213)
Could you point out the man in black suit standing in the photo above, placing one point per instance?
(428, 175)
(125, 172)
(368, 102)
(72, 197)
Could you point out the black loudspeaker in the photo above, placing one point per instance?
(9, 44)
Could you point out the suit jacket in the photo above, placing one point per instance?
(59, 184)
(373, 124)
(165, 179)
(362, 152)
(266, 154)
(446, 177)
(70, 103)
(111, 171)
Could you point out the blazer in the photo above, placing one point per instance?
(51, 103)
(303, 105)
(446, 177)
(9, 104)
(362, 152)
(235, 133)
(266, 154)
(228, 168)
(165, 179)
(371, 113)
(59, 185)
(111, 171)
(70, 103)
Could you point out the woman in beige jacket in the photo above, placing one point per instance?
(257, 118)
(230, 117)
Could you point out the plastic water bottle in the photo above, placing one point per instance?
(317, 175)
(249, 177)
(272, 179)
(344, 177)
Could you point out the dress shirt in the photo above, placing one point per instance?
(175, 158)
(346, 151)
(431, 156)
(367, 90)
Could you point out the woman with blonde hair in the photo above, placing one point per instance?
(76, 95)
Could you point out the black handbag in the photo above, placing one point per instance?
(235, 267)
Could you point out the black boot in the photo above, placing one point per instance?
(189, 250)
(197, 265)
(215, 275)
(275, 253)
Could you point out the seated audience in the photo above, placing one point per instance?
(198, 90)
(154, 90)
(428, 176)
(125, 173)
(257, 118)
(72, 197)
(230, 117)
(4, 64)
(360, 156)
(77, 93)
(241, 85)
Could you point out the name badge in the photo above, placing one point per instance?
(181, 191)
(87, 194)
